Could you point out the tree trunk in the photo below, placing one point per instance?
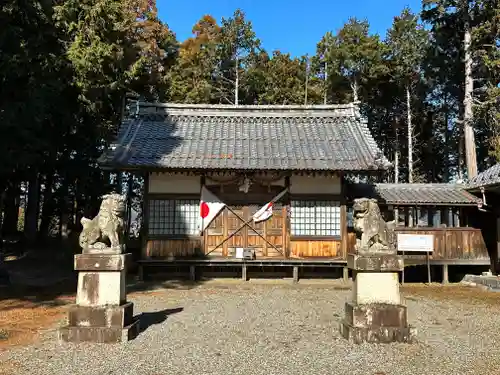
(446, 140)
(410, 136)
(460, 155)
(11, 210)
(47, 207)
(396, 152)
(64, 211)
(470, 143)
(2, 200)
(237, 82)
(354, 88)
(32, 209)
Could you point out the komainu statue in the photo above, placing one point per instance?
(374, 235)
(105, 231)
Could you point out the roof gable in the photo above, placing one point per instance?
(183, 136)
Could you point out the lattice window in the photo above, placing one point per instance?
(315, 218)
(173, 217)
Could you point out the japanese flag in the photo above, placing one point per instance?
(266, 211)
(210, 206)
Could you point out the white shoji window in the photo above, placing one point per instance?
(173, 217)
(315, 218)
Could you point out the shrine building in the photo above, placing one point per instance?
(246, 156)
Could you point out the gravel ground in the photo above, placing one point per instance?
(272, 329)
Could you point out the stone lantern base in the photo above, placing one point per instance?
(376, 313)
(102, 313)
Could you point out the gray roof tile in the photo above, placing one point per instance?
(405, 194)
(490, 176)
(246, 137)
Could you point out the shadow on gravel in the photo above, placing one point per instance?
(149, 319)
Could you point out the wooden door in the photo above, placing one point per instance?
(214, 235)
(247, 236)
(272, 230)
(233, 224)
(276, 232)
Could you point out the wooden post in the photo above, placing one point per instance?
(287, 228)
(295, 274)
(343, 220)
(244, 272)
(346, 274)
(429, 280)
(403, 271)
(192, 272)
(145, 217)
(445, 274)
(141, 272)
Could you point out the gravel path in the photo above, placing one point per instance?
(274, 330)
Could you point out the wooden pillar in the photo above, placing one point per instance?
(145, 217)
(203, 237)
(494, 265)
(345, 274)
(244, 276)
(286, 226)
(295, 274)
(192, 272)
(343, 219)
(445, 274)
(140, 273)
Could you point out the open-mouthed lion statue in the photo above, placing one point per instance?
(107, 226)
(374, 234)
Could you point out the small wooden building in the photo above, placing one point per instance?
(486, 185)
(447, 211)
(246, 155)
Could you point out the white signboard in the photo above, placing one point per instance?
(415, 242)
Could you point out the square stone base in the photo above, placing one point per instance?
(105, 316)
(376, 323)
(380, 335)
(106, 335)
(100, 324)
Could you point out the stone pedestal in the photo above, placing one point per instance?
(102, 313)
(376, 313)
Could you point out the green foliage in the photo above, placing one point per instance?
(354, 55)
(67, 66)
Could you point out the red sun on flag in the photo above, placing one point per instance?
(204, 210)
(210, 206)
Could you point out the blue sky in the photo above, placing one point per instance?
(292, 26)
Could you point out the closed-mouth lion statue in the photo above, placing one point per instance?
(375, 234)
(107, 226)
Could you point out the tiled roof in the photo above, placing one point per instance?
(490, 176)
(405, 194)
(183, 136)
